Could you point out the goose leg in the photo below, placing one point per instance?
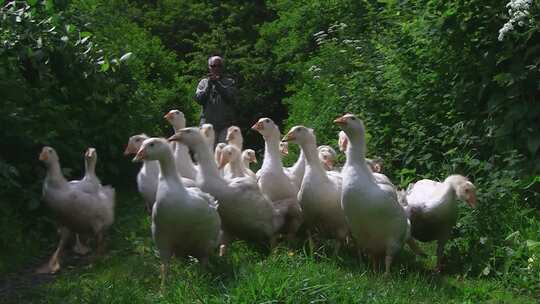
(79, 247)
(387, 263)
(224, 242)
(53, 265)
(310, 242)
(440, 255)
(273, 241)
(164, 271)
(100, 244)
(374, 262)
(337, 247)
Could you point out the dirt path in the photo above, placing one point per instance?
(14, 286)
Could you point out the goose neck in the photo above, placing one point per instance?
(168, 169)
(271, 152)
(310, 153)
(207, 163)
(54, 174)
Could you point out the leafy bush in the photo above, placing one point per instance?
(439, 94)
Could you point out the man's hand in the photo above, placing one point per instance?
(214, 77)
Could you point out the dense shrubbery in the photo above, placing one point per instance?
(439, 94)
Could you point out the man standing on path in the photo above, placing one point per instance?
(217, 95)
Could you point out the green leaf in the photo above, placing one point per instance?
(85, 34)
(533, 244)
(105, 66)
(504, 79)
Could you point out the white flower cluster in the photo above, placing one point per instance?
(518, 10)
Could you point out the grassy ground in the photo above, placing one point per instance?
(129, 273)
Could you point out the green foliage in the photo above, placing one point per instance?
(439, 94)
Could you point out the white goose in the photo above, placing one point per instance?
(231, 155)
(185, 221)
(147, 178)
(320, 193)
(273, 181)
(75, 210)
(182, 159)
(432, 209)
(234, 137)
(90, 183)
(209, 135)
(217, 156)
(248, 157)
(376, 219)
(327, 157)
(245, 212)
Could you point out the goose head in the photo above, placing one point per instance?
(152, 149)
(300, 135)
(176, 118)
(229, 154)
(217, 151)
(249, 156)
(350, 124)
(376, 165)
(135, 143)
(266, 127)
(284, 148)
(327, 156)
(209, 133)
(343, 141)
(48, 155)
(190, 137)
(465, 190)
(234, 136)
(90, 154)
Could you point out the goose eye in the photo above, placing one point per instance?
(151, 144)
(137, 139)
(267, 120)
(353, 118)
(230, 153)
(50, 150)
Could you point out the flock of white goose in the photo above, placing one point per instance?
(198, 208)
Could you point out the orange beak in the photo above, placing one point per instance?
(253, 159)
(257, 126)
(340, 120)
(229, 137)
(168, 116)
(288, 137)
(141, 155)
(43, 156)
